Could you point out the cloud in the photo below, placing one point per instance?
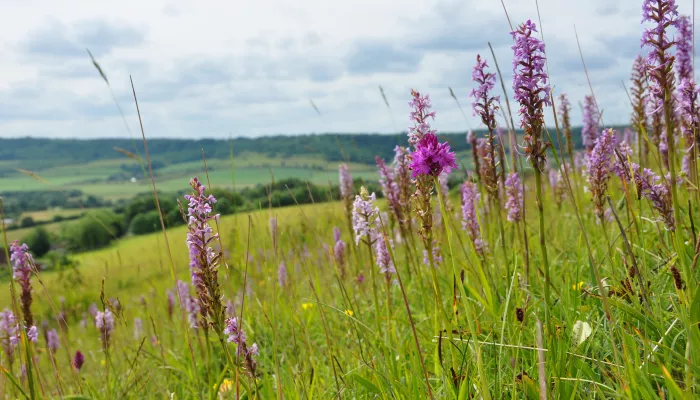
(250, 68)
(369, 56)
(57, 40)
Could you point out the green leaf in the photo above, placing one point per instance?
(14, 381)
(367, 384)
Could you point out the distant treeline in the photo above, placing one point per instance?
(36, 154)
(18, 202)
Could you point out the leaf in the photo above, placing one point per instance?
(672, 386)
(582, 331)
(14, 381)
(367, 384)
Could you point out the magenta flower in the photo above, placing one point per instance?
(104, 322)
(282, 274)
(188, 303)
(590, 129)
(22, 266)
(236, 336)
(9, 334)
(470, 223)
(386, 266)
(200, 234)
(599, 166)
(78, 360)
(171, 303)
(663, 15)
(487, 166)
(138, 328)
(639, 95)
(52, 342)
(484, 105)
(531, 88)
(514, 198)
(402, 175)
(556, 181)
(659, 194)
(436, 256)
(432, 158)
(420, 115)
(273, 231)
(684, 48)
(364, 215)
(390, 188)
(690, 121)
(337, 234)
(564, 115)
(339, 250)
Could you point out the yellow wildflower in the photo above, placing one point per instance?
(306, 306)
(226, 386)
(349, 312)
(577, 286)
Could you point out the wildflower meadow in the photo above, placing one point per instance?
(540, 270)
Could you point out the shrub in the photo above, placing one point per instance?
(145, 223)
(27, 222)
(38, 241)
(96, 229)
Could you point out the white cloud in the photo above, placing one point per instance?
(249, 68)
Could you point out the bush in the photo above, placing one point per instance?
(96, 229)
(39, 242)
(145, 223)
(27, 222)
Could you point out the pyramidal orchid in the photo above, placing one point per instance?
(402, 177)
(188, 303)
(485, 106)
(599, 165)
(420, 116)
(22, 266)
(364, 216)
(390, 188)
(663, 16)
(651, 187)
(590, 129)
(565, 120)
(9, 334)
(514, 198)
(638, 92)
(531, 89)
(104, 322)
(237, 336)
(470, 222)
(203, 260)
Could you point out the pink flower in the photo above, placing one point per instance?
(432, 157)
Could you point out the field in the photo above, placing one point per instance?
(248, 169)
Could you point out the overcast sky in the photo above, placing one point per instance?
(250, 68)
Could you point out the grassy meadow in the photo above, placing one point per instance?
(558, 271)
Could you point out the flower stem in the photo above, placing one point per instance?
(543, 248)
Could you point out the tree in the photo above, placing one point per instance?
(39, 241)
(145, 223)
(96, 229)
(27, 222)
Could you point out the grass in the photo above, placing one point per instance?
(319, 316)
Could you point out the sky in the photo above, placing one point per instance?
(251, 68)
